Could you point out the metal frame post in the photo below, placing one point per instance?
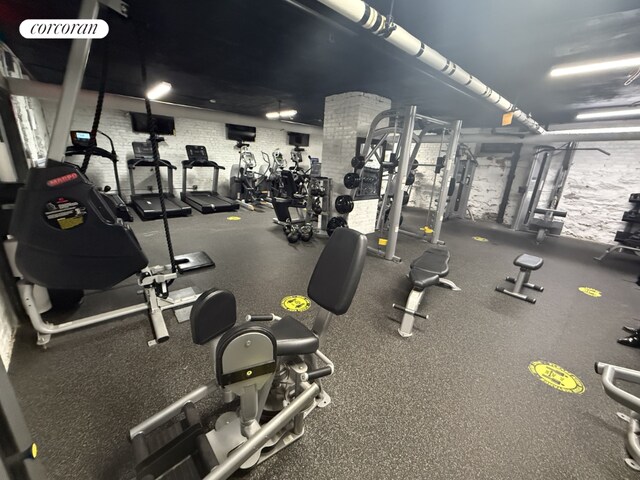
(400, 179)
(73, 76)
(446, 178)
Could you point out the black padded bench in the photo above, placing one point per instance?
(428, 269)
(527, 264)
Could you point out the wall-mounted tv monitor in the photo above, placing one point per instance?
(241, 133)
(298, 139)
(164, 125)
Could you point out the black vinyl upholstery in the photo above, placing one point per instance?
(212, 314)
(337, 273)
(293, 338)
(61, 246)
(529, 262)
(427, 269)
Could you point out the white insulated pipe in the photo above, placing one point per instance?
(370, 19)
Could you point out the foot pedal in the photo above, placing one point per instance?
(178, 450)
(193, 261)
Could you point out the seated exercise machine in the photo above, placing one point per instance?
(611, 374)
(527, 264)
(272, 368)
(204, 201)
(147, 205)
(82, 144)
(428, 269)
(547, 225)
(66, 236)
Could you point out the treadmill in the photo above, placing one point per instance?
(147, 205)
(204, 201)
(82, 145)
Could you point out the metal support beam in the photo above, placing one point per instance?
(446, 178)
(71, 84)
(401, 177)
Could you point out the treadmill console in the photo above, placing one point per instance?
(142, 150)
(81, 138)
(197, 153)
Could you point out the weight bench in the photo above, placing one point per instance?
(426, 270)
(527, 264)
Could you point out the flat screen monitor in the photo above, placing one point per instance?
(164, 125)
(241, 133)
(298, 139)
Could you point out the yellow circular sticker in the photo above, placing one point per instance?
(557, 377)
(592, 292)
(426, 229)
(233, 219)
(480, 239)
(295, 303)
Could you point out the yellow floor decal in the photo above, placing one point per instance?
(233, 219)
(480, 239)
(295, 303)
(557, 377)
(592, 292)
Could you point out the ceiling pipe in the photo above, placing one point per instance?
(370, 19)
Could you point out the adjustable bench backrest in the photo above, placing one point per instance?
(337, 273)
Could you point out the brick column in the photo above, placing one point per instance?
(346, 117)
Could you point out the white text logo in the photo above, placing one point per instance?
(64, 29)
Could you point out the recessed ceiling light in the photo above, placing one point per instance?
(620, 112)
(593, 67)
(282, 114)
(594, 130)
(158, 90)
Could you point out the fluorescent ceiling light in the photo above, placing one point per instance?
(586, 131)
(282, 114)
(158, 90)
(621, 112)
(593, 67)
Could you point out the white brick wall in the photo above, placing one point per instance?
(347, 116)
(598, 188)
(117, 124)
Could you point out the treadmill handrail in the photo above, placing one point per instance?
(73, 150)
(145, 162)
(201, 163)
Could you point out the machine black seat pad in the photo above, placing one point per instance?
(530, 262)
(422, 279)
(293, 338)
(434, 260)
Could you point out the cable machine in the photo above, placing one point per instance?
(404, 131)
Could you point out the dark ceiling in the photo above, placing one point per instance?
(249, 54)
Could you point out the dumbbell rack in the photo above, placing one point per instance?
(629, 238)
(320, 226)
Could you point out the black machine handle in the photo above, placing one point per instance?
(319, 373)
(556, 213)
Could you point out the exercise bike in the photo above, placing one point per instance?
(274, 369)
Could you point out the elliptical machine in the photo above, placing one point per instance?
(272, 368)
(244, 180)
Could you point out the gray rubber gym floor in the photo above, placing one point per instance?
(455, 401)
